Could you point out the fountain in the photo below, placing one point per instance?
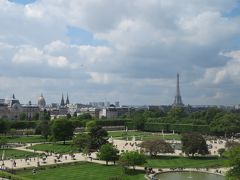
(188, 175)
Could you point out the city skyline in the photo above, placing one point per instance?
(130, 52)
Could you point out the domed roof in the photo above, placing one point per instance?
(41, 101)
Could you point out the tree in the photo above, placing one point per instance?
(75, 114)
(132, 158)
(85, 116)
(226, 124)
(44, 128)
(108, 153)
(153, 113)
(22, 116)
(231, 144)
(90, 125)
(211, 113)
(194, 143)
(62, 130)
(4, 126)
(12, 132)
(86, 151)
(233, 156)
(177, 113)
(139, 121)
(46, 115)
(69, 116)
(35, 116)
(3, 141)
(82, 141)
(156, 146)
(98, 136)
(221, 152)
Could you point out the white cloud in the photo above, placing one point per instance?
(33, 11)
(99, 78)
(55, 46)
(58, 61)
(94, 54)
(28, 54)
(229, 72)
(208, 27)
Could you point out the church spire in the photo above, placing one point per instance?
(178, 98)
(62, 101)
(13, 96)
(67, 100)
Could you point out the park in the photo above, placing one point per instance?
(56, 149)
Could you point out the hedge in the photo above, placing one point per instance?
(156, 127)
(178, 128)
(130, 125)
(23, 124)
(184, 128)
(7, 175)
(114, 122)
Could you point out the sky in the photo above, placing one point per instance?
(121, 50)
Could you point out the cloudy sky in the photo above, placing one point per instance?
(121, 50)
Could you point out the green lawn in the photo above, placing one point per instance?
(144, 135)
(185, 162)
(83, 170)
(55, 147)
(25, 139)
(12, 153)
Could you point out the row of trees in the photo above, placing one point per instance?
(214, 120)
(217, 121)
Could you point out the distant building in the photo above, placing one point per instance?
(62, 109)
(72, 108)
(30, 110)
(11, 109)
(97, 104)
(112, 112)
(117, 104)
(94, 112)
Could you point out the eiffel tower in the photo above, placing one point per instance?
(178, 98)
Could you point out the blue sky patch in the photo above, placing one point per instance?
(23, 1)
(81, 36)
(235, 11)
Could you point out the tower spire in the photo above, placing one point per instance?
(178, 98)
(67, 100)
(62, 101)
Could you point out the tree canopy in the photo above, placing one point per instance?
(108, 153)
(98, 137)
(132, 158)
(82, 141)
(226, 124)
(62, 129)
(4, 126)
(233, 156)
(193, 143)
(156, 146)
